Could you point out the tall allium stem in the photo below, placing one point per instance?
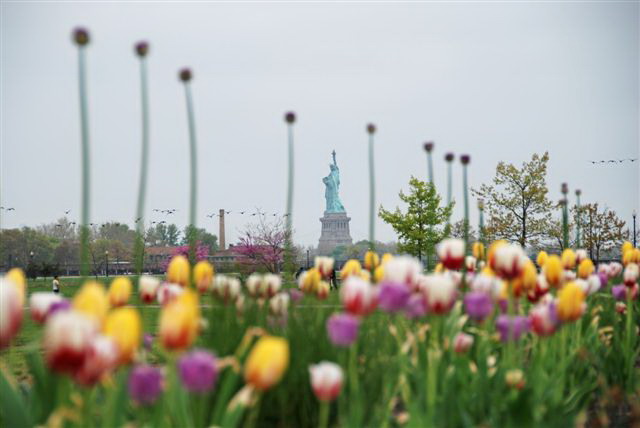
(290, 119)
(565, 216)
(579, 219)
(481, 222)
(142, 49)
(449, 157)
(371, 129)
(428, 147)
(185, 76)
(465, 159)
(81, 38)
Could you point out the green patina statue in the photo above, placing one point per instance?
(332, 185)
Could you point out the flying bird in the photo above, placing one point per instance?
(10, 209)
(210, 215)
(138, 219)
(67, 212)
(242, 212)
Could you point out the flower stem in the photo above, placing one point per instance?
(84, 128)
(323, 419)
(372, 195)
(142, 189)
(194, 174)
(466, 209)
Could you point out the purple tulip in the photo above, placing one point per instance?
(62, 305)
(198, 371)
(619, 292)
(295, 294)
(604, 279)
(478, 305)
(416, 306)
(511, 328)
(145, 384)
(393, 296)
(343, 329)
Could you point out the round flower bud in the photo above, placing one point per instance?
(371, 128)
(185, 74)
(449, 157)
(290, 117)
(564, 188)
(81, 36)
(578, 192)
(465, 159)
(428, 146)
(142, 49)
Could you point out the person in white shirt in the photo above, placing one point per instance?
(56, 284)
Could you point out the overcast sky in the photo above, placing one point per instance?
(498, 81)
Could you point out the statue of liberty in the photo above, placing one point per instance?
(332, 185)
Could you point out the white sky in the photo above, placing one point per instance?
(498, 81)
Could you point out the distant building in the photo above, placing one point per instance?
(156, 258)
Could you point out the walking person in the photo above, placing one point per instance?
(56, 284)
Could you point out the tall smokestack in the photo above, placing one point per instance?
(221, 237)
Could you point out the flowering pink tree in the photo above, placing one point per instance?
(262, 245)
(202, 252)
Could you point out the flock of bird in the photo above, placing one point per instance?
(613, 160)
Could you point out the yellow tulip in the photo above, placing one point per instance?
(124, 326)
(527, 279)
(487, 271)
(585, 268)
(439, 268)
(92, 301)
(365, 275)
(179, 321)
(635, 255)
(203, 275)
(386, 257)
(570, 302)
(627, 257)
(178, 270)
(378, 274)
(371, 260)
(17, 276)
(553, 270)
(267, 362)
(568, 259)
(478, 250)
(491, 255)
(351, 267)
(626, 246)
(322, 292)
(542, 258)
(120, 291)
(310, 280)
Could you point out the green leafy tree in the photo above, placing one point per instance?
(205, 238)
(163, 235)
(602, 229)
(516, 202)
(422, 225)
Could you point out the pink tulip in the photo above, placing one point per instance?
(326, 380)
(462, 343)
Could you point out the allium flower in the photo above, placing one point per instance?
(124, 326)
(416, 306)
(120, 291)
(343, 329)
(631, 272)
(404, 270)
(92, 301)
(462, 343)
(100, 359)
(585, 268)
(203, 276)
(67, 338)
(478, 305)
(279, 304)
(10, 311)
(553, 271)
(179, 321)
(326, 380)
(324, 266)
(267, 362)
(509, 261)
(40, 303)
(145, 384)
(511, 327)
(570, 302)
(270, 285)
(451, 253)
(351, 267)
(148, 288)
(393, 296)
(543, 318)
(357, 296)
(440, 293)
(198, 371)
(178, 270)
(568, 258)
(371, 260)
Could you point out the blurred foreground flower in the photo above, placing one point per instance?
(145, 384)
(17, 276)
(343, 329)
(40, 303)
(393, 296)
(326, 380)
(267, 362)
(511, 327)
(67, 338)
(124, 326)
(92, 301)
(178, 270)
(544, 319)
(451, 253)
(357, 296)
(101, 358)
(10, 311)
(203, 275)
(120, 291)
(570, 302)
(179, 321)
(462, 343)
(148, 288)
(198, 371)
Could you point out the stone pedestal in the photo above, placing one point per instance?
(335, 232)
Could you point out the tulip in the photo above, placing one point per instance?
(486, 284)
(179, 321)
(511, 327)
(357, 296)
(543, 319)
(451, 253)
(147, 341)
(101, 358)
(440, 293)
(67, 338)
(351, 267)
(515, 379)
(270, 285)
(594, 283)
(553, 271)
(542, 258)
(119, 291)
(203, 275)
(324, 266)
(92, 301)
(478, 305)
(309, 280)
(570, 302)
(604, 279)
(541, 288)
(169, 292)
(509, 261)
(228, 288)
(631, 272)
(124, 326)
(17, 276)
(343, 329)
(145, 384)
(393, 296)
(568, 258)
(322, 292)
(491, 254)
(621, 308)
(178, 270)
(10, 311)
(371, 260)
(568, 276)
(462, 342)
(378, 274)
(585, 268)
(61, 306)
(198, 371)
(527, 279)
(279, 304)
(386, 257)
(416, 306)
(267, 362)
(295, 294)
(40, 303)
(253, 284)
(326, 380)
(404, 270)
(622, 292)
(478, 250)
(148, 288)
(581, 255)
(470, 263)
(615, 269)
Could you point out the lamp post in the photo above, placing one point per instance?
(308, 259)
(634, 214)
(106, 262)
